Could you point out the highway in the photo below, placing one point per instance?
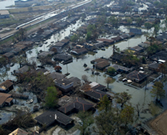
(43, 18)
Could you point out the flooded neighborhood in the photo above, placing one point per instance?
(83, 67)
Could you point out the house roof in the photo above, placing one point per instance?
(27, 43)
(22, 47)
(76, 81)
(23, 69)
(154, 65)
(65, 41)
(63, 81)
(8, 54)
(95, 94)
(61, 57)
(49, 117)
(118, 38)
(118, 67)
(102, 64)
(78, 104)
(3, 98)
(79, 51)
(105, 40)
(57, 76)
(135, 75)
(117, 56)
(6, 84)
(4, 12)
(160, 55)
(18, 131)
(137, 48)
(59, 44)
(46, 53)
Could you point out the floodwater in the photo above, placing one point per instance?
(5, 3)
(76, 68)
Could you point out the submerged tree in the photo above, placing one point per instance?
(158, 91)
(108, 123)
(111, 71)
(105, 104)
(127, 114)
(86, 120)
(108, 80)
(123, 98)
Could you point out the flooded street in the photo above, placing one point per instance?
(76, 68)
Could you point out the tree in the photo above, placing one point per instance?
(20, 35)
(108, 123)
(51, 97)
(111, 71)
(139, 21)
(148, 26)
(104, 104)
(86, 120)
(158, 91)
(163, 68)
(85, 78)
(74, 38)
(123, 98)
(156, 29)
(138, 109)
(108, 80)
(127, 114)
(21, 60)
(37, 83)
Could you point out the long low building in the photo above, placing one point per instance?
(4, 14)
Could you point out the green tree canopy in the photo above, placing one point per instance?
(51, 97)
(86, 120)
(127, 114)
(108, 123)
(158, 90)
(111, 71)
(104, 104)
(123, 98)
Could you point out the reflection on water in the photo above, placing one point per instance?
(76, 67)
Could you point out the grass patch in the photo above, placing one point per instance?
(7, 40)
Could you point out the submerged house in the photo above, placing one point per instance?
(94, 91)
(136, 31)
(136, 76)
(6, 86)
(100, 63)
(106, 41)
(120, 68)
(95, 95)
(154, 66)
(159, 56)
(5, 99)
(63, 57)
(65, 85)
(97, 86)
(79, 51)
(74, 104)
(51, 117)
